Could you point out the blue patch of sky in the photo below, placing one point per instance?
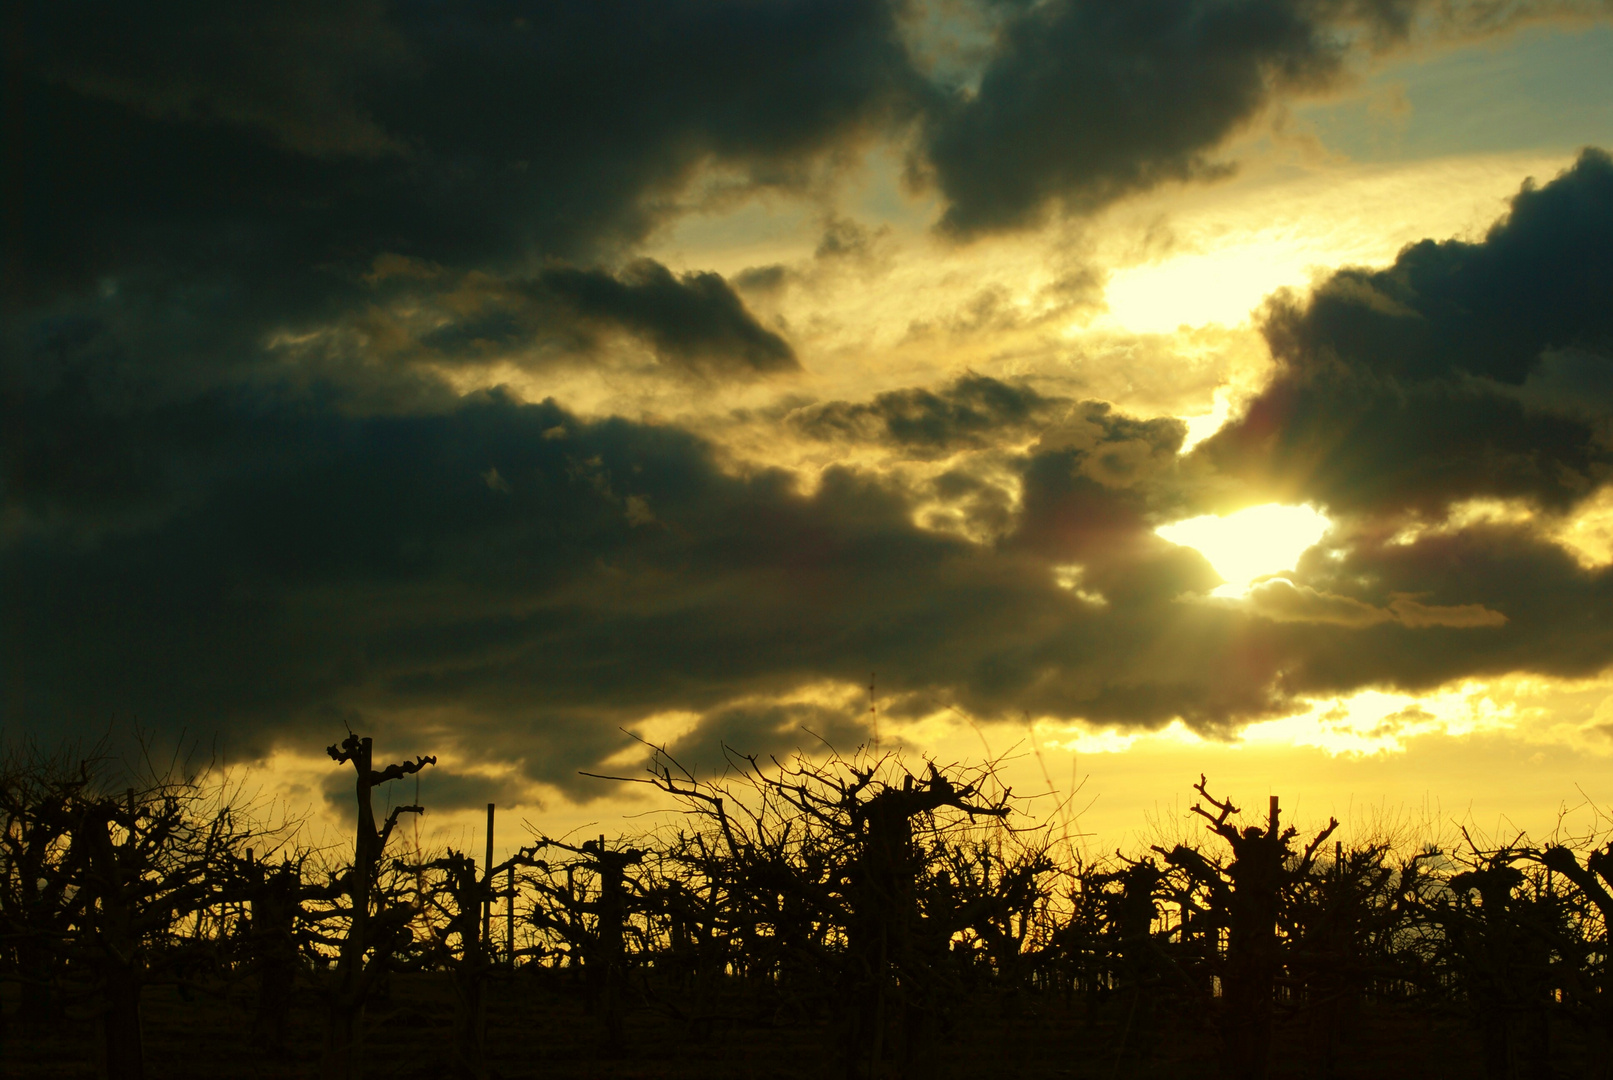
(1544, 88)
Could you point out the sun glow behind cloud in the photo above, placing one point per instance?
(1222, 286)
(1252, 543)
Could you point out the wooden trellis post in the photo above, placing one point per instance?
(509, 917)
(487, 901)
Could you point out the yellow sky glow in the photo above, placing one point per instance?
(1502, 753)
(1221, 286)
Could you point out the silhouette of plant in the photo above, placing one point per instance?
(589, 914)
(37, 902)
(1504, 932)
(366, 923)
(845, 861)
(137, 865)
(1244, 896)
(452, 899)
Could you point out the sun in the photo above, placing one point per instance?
(1252, 543)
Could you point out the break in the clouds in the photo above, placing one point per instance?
(266, 271)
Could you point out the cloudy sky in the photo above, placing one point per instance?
(1132, 389)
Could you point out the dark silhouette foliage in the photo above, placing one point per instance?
(888, 915)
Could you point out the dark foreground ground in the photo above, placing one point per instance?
(539, 1028)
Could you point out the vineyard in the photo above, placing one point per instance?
(858, 918)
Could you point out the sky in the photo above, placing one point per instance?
(1121, 391)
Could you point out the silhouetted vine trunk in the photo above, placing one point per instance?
(877, 942)
(470, 970)
(119, 961)
(374, 926)
(274, 947)
(1249, 983)
(342, 1059)
(605, 974)
(1246, 895)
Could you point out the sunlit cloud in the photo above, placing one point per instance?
(1586, 533)
(1203, 425)
(1375, 721)
(1466, 514)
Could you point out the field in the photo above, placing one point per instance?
(538, 1027)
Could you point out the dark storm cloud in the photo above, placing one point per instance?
(458, 133)
(293, 69)
(768, 729)
(130, 397)
(1086, 101)
(527, 582)
(694, 318)
(543, 578)
(186, 183)
(249, 164)
(440, 788)
(206, 176)
(371, 563)
(1464, 370)
(1488, 600)
(973, 412)
(693, 321)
